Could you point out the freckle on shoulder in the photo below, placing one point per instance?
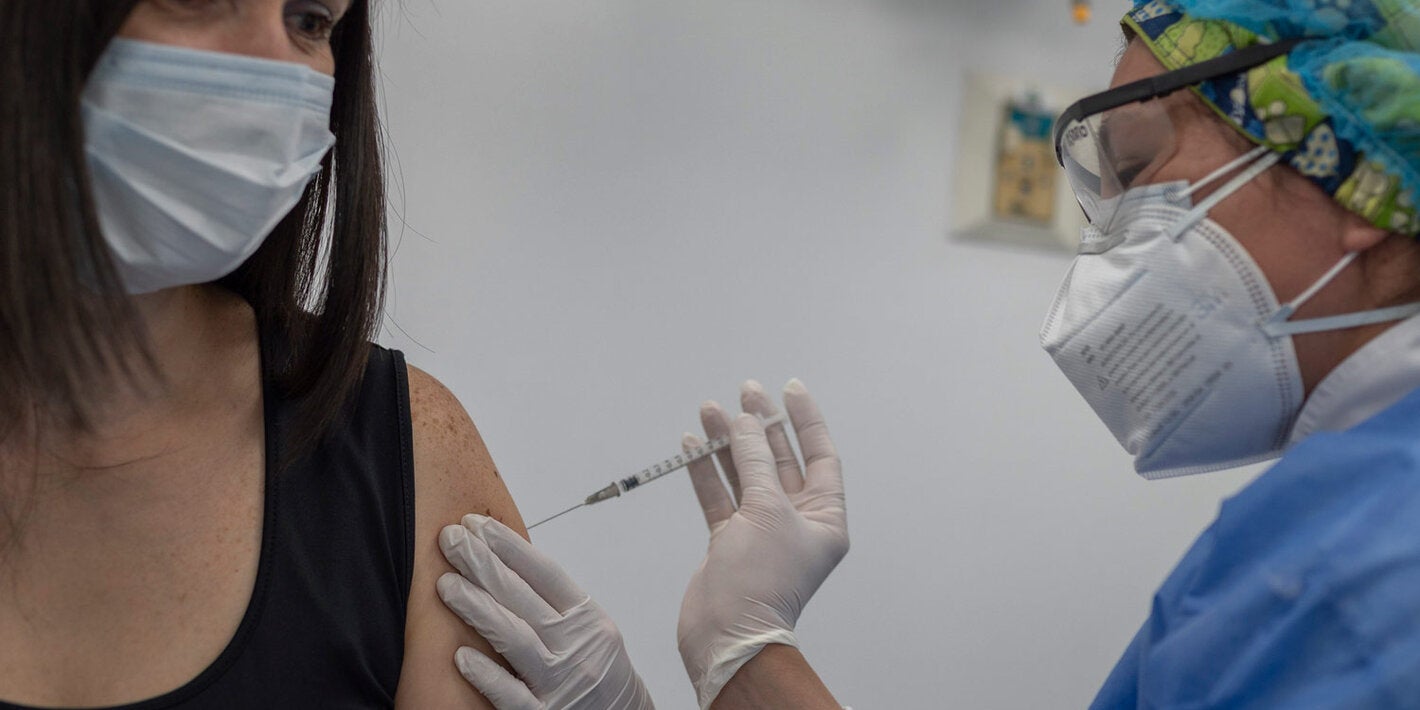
(452, 465)
(438, 416)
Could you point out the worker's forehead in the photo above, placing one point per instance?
(1136, 63)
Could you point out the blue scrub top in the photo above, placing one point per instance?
(1304, 593)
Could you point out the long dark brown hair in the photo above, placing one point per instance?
(64, 316)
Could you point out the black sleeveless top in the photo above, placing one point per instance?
(325, 624)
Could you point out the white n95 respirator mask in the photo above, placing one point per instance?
(1173, 335)
(195, 156)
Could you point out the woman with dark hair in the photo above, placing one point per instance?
(214, 491)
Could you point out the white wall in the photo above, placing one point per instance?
(619, 208)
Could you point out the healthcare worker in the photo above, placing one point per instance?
(1246, 290)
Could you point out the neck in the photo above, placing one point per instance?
(173, 322)
(128, 420)
(197, 406)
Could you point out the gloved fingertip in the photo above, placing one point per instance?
(710, 406)
(488, 529)
(447, 585)
(752, 387)
(463, 658)
(689, 441)
(450, 537)
(795, 386)
(474, 521)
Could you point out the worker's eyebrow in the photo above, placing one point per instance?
(1105, 135)
(1121, 123)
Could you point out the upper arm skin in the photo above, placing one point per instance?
(453, 475)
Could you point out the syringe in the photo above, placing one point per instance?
(651, 473)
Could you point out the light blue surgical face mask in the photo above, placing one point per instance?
(1172, 333)
(195, 156)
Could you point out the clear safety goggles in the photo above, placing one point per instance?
(1112, 141)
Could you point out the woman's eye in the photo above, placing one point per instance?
(310, 20)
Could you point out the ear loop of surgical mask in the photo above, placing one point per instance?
(1277, 325)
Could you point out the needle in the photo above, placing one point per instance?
(544, 520)
(655, 471)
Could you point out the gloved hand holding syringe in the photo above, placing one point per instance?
(657, 470)
(776, 532)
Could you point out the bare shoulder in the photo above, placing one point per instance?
(453, 475)
(451, 462)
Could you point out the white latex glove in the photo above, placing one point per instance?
(768, 556)
(567, 652)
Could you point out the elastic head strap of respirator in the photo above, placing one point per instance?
(1094, 240)
(1278, 326)
(1261, 158)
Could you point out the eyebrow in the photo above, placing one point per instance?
(1107, 128)
(1105, 143)
(341, 8)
